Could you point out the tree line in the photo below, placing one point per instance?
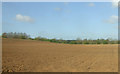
(16, 35)
(77, 41)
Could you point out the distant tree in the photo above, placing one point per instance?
(37, 38)
(79, 41)
(53, 40)
(60, 41)
(4, 35)
(15, 35)
(98, 41)
(31, 38)
(85, 41)
(105, 42)
(73, 42)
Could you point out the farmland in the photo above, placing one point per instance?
(41, 56)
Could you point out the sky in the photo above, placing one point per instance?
(61, 20)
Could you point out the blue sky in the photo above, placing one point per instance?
(66, 20)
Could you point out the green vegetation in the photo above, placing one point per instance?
(77, 41)
(15, 35)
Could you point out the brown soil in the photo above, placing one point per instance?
(37, 56)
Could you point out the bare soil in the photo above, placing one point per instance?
(40, 56)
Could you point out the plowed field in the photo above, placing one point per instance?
(40, 56)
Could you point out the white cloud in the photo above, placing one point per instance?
(23, 18)
(112, 20)
(91, 4)
(115, 3)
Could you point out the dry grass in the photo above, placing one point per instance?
(37, 56)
